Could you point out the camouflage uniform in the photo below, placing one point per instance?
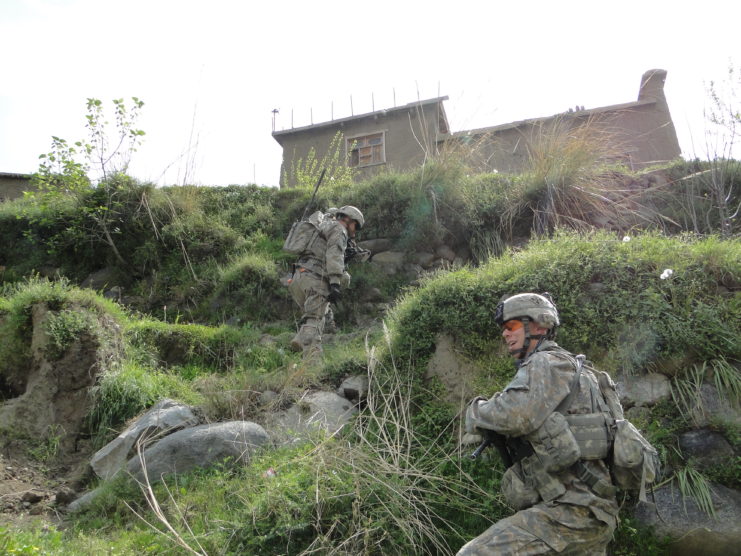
(559, 512)
(322, 265)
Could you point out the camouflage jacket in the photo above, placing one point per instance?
(326, 256)
(542, 381)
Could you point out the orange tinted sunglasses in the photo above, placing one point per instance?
(512, 325)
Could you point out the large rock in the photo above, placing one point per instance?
(695, 532)
(643, 390)
(166, 417)
(389, 261)
(315, 411)
(376, 245)
(200, 446)
(354, 388)
(188, 449)
(715, 407)
(422, 258)
(705, 447)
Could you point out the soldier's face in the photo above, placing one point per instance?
(513, 333)
(350, 225)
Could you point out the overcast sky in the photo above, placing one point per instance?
(211, 72)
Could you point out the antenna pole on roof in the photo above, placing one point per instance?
(291, 118)
(275, 111)
(373, 103)
(352, 113)
(331, 109)
(417, 85)
(311, 115)
(393, 90)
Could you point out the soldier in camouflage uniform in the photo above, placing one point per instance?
(318, 274)
(566, 504)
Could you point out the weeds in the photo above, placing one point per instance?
(693, 484)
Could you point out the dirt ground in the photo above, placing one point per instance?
(31, 490)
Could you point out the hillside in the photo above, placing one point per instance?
(182, 299)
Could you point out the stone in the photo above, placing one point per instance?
(706, 448)
(200, 446)
(389, 262)
(693, 530)
(445, 252)
(32, 497)
(268, 397)
(371, 294)
(315, 411)
(354, 388)
(638, 415)
(715, 407)
(643, 390)
(100, 279)
(412, 270)
(376, 245)
(422, 258)
(162, 419)
(63, 496)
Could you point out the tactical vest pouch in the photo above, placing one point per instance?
(635, 462)
(554, 443)
(516, 492)
(593, 434)
(303, 234)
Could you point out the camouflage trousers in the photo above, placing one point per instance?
(310, 292)
(546, 528)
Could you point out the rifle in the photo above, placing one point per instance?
(311, 202)
(499, 441)
(354, 252)
(511, 450)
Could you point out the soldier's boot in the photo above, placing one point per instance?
(312, 356)
(296, 343)
(307, 336)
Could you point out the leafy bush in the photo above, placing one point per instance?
(593, 279)
(249, 290)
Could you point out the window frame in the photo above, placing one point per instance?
(348, 152)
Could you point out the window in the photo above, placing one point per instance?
(366, 150)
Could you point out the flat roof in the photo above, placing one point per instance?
(520, 123)
(329, 123)
(15, 176)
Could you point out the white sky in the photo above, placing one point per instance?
(215, 69)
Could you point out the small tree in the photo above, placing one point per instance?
(64, 172)
(305, 172)
(724, 114)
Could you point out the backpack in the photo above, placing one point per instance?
(633, 461)
(303, 234)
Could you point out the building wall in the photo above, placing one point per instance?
(639, 133)
(410, 132)
(12, 186)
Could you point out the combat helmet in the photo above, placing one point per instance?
(352, 212)
(535, 307)
(529, 307)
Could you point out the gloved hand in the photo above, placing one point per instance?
(334, 293)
